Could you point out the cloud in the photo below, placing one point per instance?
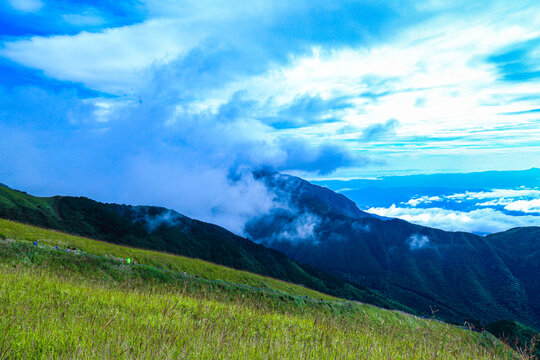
(417, 241)
(185, 163)
(300, 230)
(423, 200)
(495, 193)
(26, 5)
(499, 197)
(96, 59)
(323, 159)
(377, 131)
(474, 211)
(361, 227)
(306, 110)
(481, 221)
(180, 95)
(204, 192)
(526, 206)
(153, 220)
(86, 18)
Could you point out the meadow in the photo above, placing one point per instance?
(91, 305)
(201, 268)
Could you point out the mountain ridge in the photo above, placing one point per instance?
(126, 224)
(462, 274)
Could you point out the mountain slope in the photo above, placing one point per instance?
(459, 274)
(165, 230)
(60, 305)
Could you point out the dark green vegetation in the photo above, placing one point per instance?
(59, 305)
(518, 336)
(454, 275)
(165, 230)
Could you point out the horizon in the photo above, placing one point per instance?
(491, 202)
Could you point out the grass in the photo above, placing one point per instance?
(58, 305)
(204, 269)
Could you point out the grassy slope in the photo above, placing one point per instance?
(517, 335)
(204, 269)
(55, 304)
(120, 225)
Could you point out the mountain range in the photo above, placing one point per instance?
(456, 275)
(321, 239)
(162, 229)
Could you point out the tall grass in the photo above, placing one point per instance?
(58, 305)
(54, 316)
(203, 269)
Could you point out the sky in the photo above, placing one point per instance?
(175, 103)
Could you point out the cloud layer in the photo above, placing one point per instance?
(175, 103)
(480, 212)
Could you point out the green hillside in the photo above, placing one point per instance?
(517, 335)
(163, 261)
(89, 304)
(165, 230)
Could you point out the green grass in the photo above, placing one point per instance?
(204, 269)
(58, 305)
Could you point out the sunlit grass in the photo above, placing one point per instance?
(203, 269)
(58, 305)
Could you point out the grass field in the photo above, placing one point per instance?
(204, 269)
(58, 305)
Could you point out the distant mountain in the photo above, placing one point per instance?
(388, 190)
(463, 181)
(166, 230)
(459, 275)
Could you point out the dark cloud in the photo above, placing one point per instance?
(376, 131)
(307, 110)
(322, 159)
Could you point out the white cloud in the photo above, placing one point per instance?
(303, 228)
(441, 62)
(478, 221)
(495, 202)
(423, 200)
(417, 241)
(442, 66)
(26, 5)
(115, 60)
(121, 60)
(495, 194)
(202, 191)
(526, 206)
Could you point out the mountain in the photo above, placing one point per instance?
(93, 305)
(454, 275)
(166, 230)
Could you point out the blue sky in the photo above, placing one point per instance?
(173, 103)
